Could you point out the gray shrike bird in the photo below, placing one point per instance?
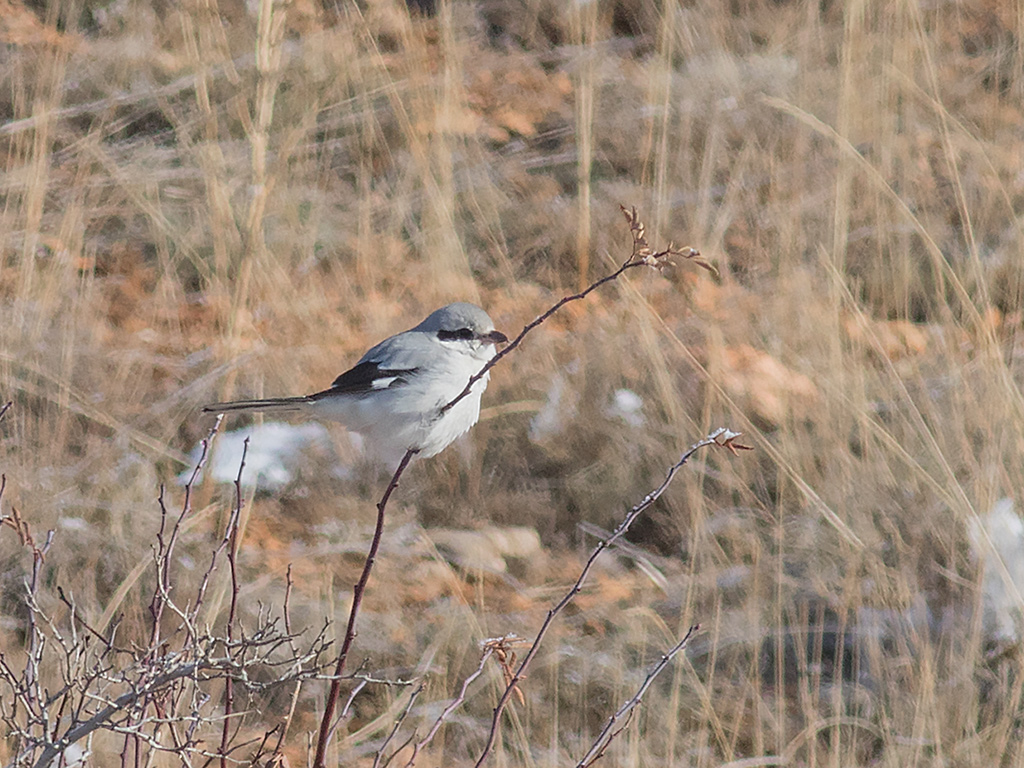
(394, 395)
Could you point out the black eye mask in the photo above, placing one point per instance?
(463, 334)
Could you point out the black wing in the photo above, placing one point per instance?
(366, 377)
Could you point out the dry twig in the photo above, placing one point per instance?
(357, 599)
(232, 546)
(721, 437)
(156, 697)
(489, 646)
(610, 731)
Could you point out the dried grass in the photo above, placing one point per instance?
(184, 220)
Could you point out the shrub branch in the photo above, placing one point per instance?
(721, 437)
(626, 711)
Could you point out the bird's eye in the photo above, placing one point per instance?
(462, 334)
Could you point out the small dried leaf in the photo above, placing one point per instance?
(726, 438)
(641, 248)
(692, 254)
(520, 697)
(502, 647)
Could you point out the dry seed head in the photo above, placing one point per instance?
(644, 254)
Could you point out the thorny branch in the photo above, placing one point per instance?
(165, 549)
(282, 729)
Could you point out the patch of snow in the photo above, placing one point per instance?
(551, 418)
(628, 406)
(276, 450)
(997, 540)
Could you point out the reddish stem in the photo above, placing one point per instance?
(357, 599)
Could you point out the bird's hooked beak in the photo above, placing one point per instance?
(495, 337)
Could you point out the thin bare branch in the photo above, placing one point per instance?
(379, 756)
(357, 599)
(641, 256)
(232, 537)
(610, 731)
(722, 437)
(452, 706)
(165, 549)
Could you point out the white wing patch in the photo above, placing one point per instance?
(384, 382)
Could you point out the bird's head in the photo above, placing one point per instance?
(462, 323)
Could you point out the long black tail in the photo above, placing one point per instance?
(273, 404)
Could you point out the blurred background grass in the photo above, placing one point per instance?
(220, 199)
